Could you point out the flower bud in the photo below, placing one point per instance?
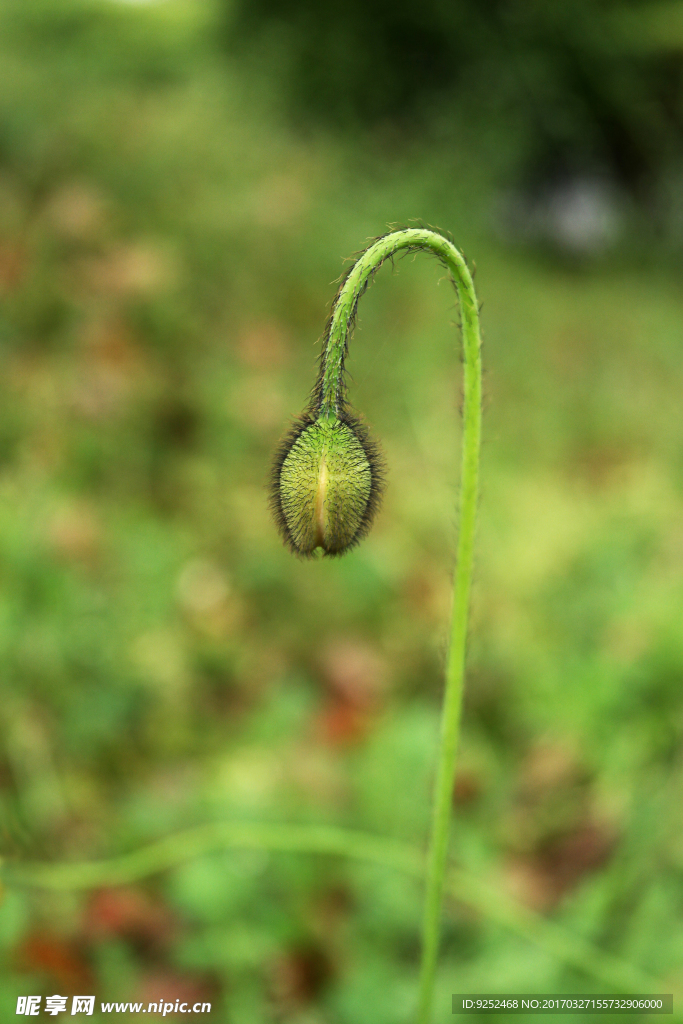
(326, 485)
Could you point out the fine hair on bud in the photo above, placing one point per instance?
(326, 483)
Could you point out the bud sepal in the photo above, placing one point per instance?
(326, 484)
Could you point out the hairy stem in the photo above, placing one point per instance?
(327, 414)
(328, 403)
(330, 395)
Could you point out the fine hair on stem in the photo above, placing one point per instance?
(326, 486)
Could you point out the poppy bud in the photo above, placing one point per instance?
(326, 485)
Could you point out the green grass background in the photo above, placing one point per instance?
(168, 254)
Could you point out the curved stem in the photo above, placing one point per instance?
(328, 402)
(330, 394)
(606, 969)
(220, 835)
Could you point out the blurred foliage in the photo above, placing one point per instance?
(167, 255)
(592, 86)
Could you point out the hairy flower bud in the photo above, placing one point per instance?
(326, 485)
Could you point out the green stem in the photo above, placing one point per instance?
(330, 394)
(615, 974)
(328, 401)
(172, 850)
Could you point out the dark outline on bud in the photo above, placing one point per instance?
(297, 503)
(352, 513)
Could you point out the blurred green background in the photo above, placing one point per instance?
(180, 183)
